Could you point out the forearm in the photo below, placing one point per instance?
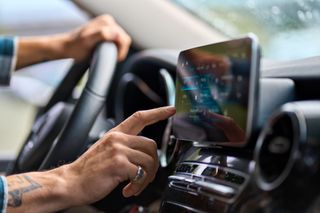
(38, 191)
(33, 50)
(77, 44)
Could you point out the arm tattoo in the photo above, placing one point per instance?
(21, 185)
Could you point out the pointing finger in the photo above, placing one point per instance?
(136, 122)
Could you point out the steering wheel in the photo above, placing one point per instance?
(60, 134)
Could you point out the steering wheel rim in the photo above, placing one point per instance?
(72, 139)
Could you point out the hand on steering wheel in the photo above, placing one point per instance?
(80, 42)
(44, 151)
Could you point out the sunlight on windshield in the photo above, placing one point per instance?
(287, 29)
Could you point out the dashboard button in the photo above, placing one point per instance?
(214, 188)
(175, 177)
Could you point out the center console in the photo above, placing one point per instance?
(216, 101)
(242, 140)
(221, 105)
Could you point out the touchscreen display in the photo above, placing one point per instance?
(212, 92)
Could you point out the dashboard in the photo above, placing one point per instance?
(262, 174)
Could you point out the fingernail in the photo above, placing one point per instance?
(171, 109)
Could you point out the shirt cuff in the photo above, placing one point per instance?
(3, 194)
(8, 58)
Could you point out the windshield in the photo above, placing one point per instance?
(287, 29)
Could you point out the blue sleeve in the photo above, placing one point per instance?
(3, 194)
(7, 58)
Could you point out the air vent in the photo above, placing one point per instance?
(276, 148)
(288, 149)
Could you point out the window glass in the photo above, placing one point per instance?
(287, 29)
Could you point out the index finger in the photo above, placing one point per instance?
(136, 122)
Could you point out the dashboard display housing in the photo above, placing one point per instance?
(217, 93)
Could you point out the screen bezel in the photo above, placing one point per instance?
(253, 92)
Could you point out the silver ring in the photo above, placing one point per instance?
(139, 175)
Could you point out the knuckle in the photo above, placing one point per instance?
(103, 33)
(114, 136)
(128, 40)
(112, 143)
(138, 116)
(153, 145)
(118, 161)
(107, 19)
(149, 164)
(113, 150)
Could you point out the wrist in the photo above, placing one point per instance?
(60, 45)
(70, 188)
(60, 188)
(64, 188)
(56, 46)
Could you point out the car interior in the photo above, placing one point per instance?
(244, 78)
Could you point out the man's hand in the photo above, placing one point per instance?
(80, 42)
(115, 158)
(111, 160)
(77, 44)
